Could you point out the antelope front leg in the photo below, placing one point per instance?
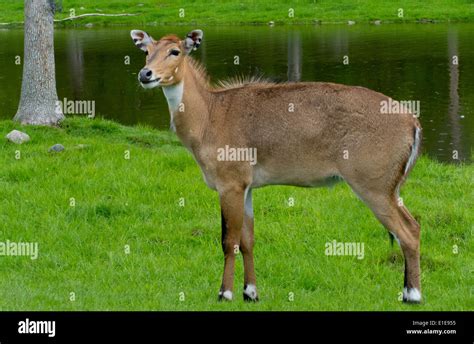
(246, 247)
(232, 211)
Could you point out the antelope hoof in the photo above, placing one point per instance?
(250, 293)
(225, 296)
(411, 295)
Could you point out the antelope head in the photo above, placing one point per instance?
(165, 57)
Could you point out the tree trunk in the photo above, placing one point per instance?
(38, 102)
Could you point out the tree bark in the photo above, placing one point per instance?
(38, 101)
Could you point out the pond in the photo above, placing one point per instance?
(415, 62)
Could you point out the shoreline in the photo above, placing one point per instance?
(246, 12)
(161, 133)
(101, 24)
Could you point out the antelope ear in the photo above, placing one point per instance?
(141, 39)
(193, 40)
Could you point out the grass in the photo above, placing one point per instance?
(218, 12)
(176, 249)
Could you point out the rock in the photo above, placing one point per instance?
(351, 22)
(271, 23)
(89, 25)
(56, 148)
(425, 21)
(316, 22)
(17, 137)
(377, 22)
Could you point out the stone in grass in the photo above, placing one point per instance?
(17, 137)
(351, 22)
(56, 148)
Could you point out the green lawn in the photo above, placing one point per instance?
(215, 12)
(176, 249)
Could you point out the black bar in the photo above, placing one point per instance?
(324, 327)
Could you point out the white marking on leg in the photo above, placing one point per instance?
(411, 295)
(228, 295)
(396, 238)
(248, 202)
(251, 291)
(414, 150)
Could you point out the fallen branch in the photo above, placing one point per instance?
(96, 15)
(82, 16)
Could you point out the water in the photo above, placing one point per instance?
(406, 62)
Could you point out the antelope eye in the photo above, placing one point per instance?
(174, 52)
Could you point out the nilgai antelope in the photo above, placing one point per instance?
(304, 134)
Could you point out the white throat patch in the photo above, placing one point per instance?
(174, 96)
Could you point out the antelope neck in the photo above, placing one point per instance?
(188, 103)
